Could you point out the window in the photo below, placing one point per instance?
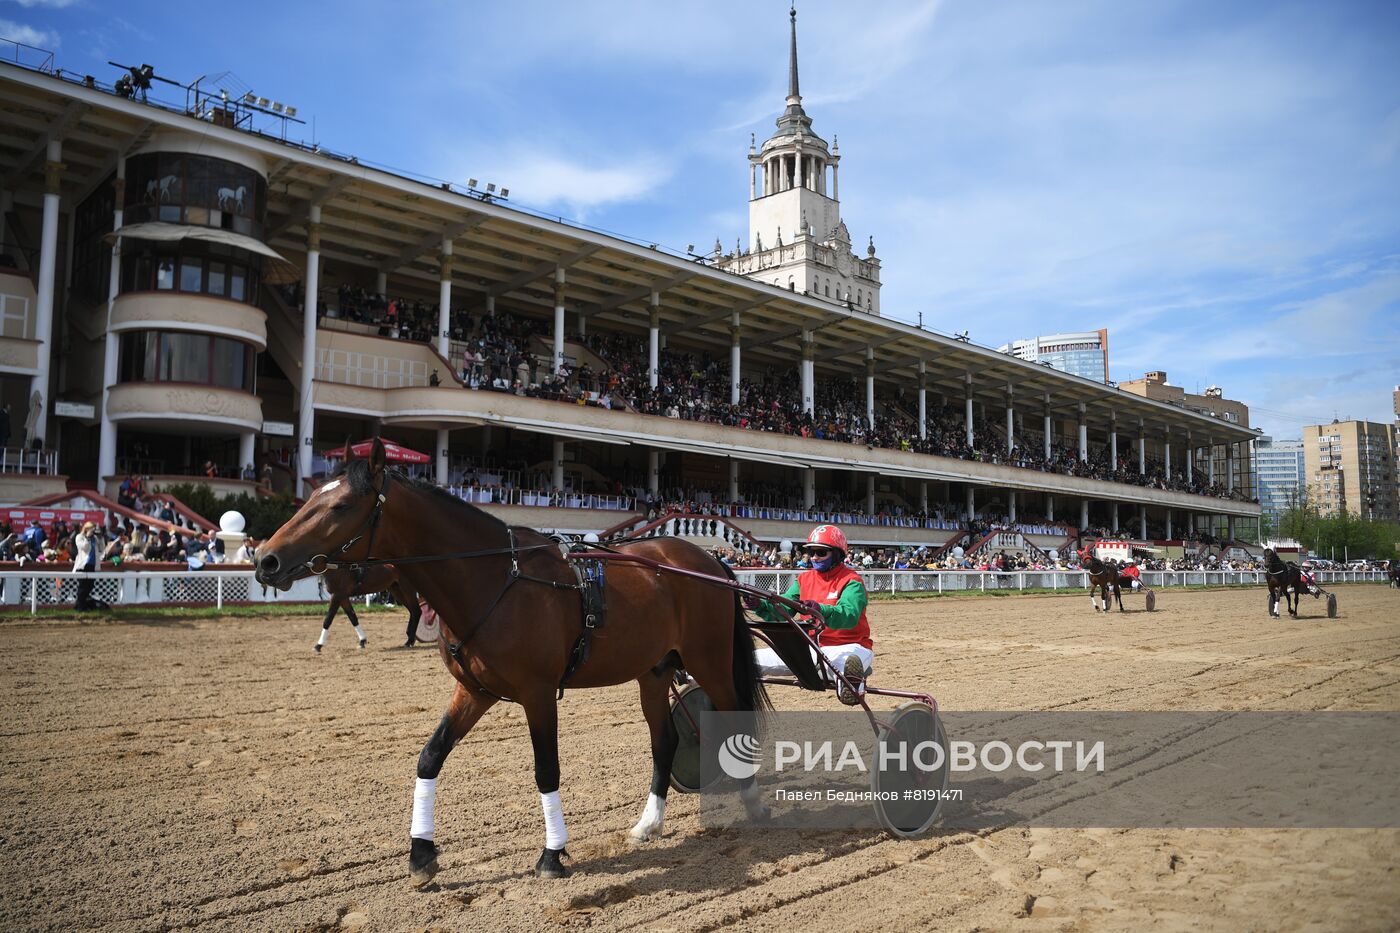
(190, 266)
(199, 359)
(194, 189)
(191, 275)
(165, 274)
(217, 278)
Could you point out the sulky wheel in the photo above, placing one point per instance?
(1331, 605)
(687, 770)
(1273, 602)
(918, 794)
(1151, 601)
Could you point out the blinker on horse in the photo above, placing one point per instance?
(510, 606)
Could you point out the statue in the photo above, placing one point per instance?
(32, 423)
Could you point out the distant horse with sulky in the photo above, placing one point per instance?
(520, 622)
(1291, 582)
(1102, 578)
(342, 585)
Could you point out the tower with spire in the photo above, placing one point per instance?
(797, 239)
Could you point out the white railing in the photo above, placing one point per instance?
(39, 589)
(371, 370)
(503, 495)
(952, 581)
(20, 460)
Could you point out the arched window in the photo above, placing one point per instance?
(792, 284)
(828, 288)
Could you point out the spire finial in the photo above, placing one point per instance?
(792, 58)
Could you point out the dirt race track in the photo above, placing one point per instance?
(216, 774)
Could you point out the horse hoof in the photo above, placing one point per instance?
(422, 862)
(316, 648)
(549, 865)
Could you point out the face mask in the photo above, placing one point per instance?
(825, 562)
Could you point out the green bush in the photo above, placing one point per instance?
(263, 514)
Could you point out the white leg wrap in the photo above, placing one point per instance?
(424, 800)
(322, 639)
(555, 834)
(653, 814)
(360, 632)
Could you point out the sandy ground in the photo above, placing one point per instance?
(217, 774)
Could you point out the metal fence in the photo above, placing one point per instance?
(957, 581)
(39, 589)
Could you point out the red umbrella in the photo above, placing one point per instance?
(392, 452)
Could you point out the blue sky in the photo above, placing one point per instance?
(1216, 183)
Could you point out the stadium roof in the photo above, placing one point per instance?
(378, 219)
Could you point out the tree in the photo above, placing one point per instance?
(263, 515)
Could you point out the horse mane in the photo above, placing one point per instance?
(357, 474)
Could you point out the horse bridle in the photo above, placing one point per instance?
(320, 563)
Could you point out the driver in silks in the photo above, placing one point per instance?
(1133, 575)
(835, 594)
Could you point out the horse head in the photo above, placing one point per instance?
(328, 526)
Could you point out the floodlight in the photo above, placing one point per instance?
(291, 111)
(490, 187)
(276, 106)
(505, 192)
(471, 182)
(249, 98)
(263, 102)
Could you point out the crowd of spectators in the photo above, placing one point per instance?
(117, 544)
(696, 387)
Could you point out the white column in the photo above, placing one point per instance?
(1083, 435)
(381, 284)
(1167, 454)
(923, 413)
(1230, 467)
(1142, 450)
(835, 184)
(1170, 536)
(1190, 456)
(558, 319)
(442, 441)
(1083, 513)
(305, 406)
(809, 376)
(246, 442)
(1230, 527)
(753, 180)
(1049, 507)
(735, 359)
(653, 471)
(107, 429)
(43, 304)
(1011, 506)
(445, 302)
(654, 341)
(1010, 423)
(1048, 427)
(923, 496)
(1142, 523)
(490, 305)
(809, 487)
(733, 480)
(1115, 516)
(556, 478)
(870, 387)
(1113, 442)
(971, 503)
(1210, 463)
(870, 494)
(967, 400)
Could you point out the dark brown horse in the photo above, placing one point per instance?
(342, 585)
(511, 615)
(1102, 578)
(1285, 580)
(1393, 574)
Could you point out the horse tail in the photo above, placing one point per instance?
(748, 688)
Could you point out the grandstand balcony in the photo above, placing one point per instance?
(173, 311)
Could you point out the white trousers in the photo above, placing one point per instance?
(770, 664)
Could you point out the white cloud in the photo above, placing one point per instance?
(28, 35)
(49, 4)
(539, 178)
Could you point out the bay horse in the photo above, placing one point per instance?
(1393, 574)
(341, 585)
(511, 616)
(1103, 578)
(1285, 580)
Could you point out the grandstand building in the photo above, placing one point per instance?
(190, 293)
